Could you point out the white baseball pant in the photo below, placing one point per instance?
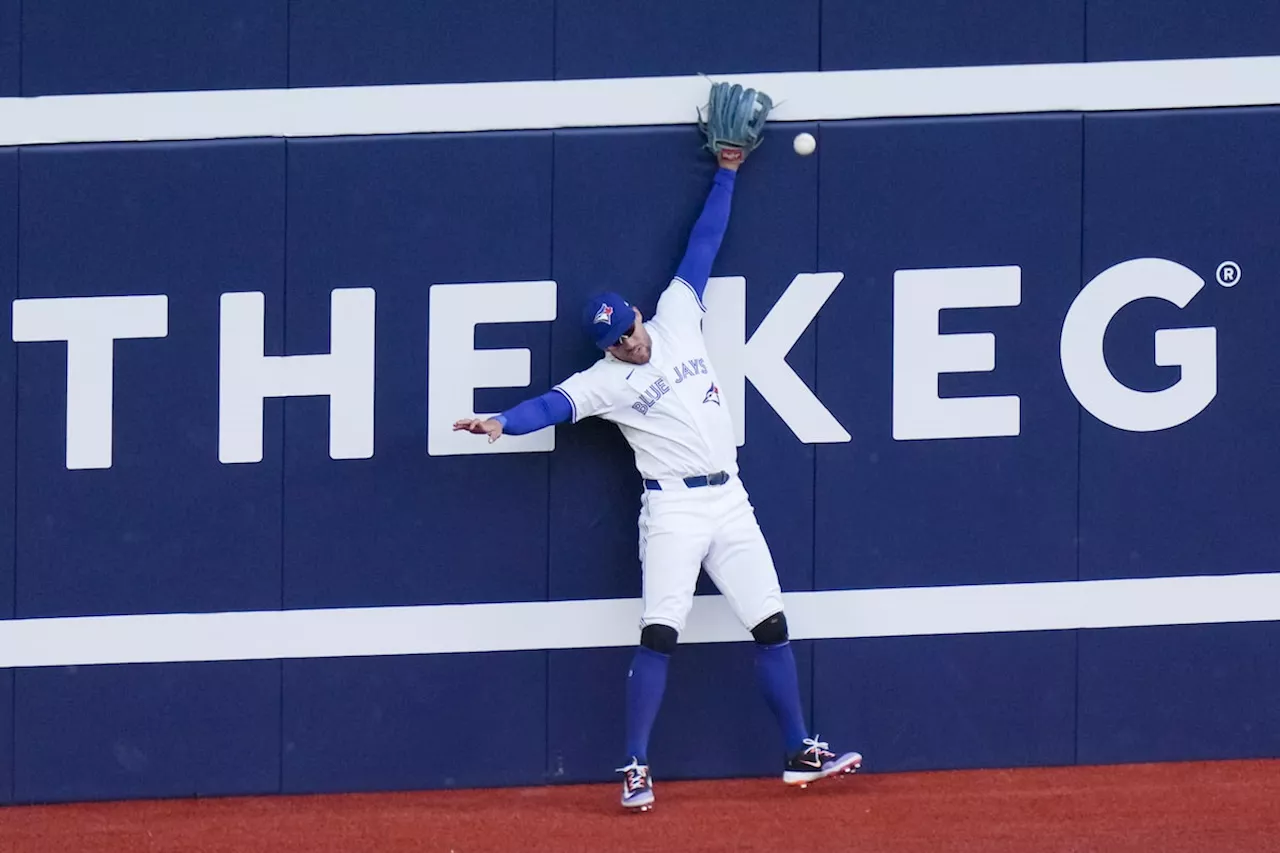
(682, 530)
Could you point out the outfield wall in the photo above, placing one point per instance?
(1009, 426)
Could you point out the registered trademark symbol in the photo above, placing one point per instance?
(1228, 274)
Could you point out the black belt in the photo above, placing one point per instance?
(719, 478)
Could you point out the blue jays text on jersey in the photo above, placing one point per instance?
(692, 367)
(650, 397)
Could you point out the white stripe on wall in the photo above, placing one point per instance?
(439, 629)
(539, 105)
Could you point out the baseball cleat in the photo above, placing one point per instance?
(816, 762)
(637, 786)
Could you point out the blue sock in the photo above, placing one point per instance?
(646, 682)
(776, 671)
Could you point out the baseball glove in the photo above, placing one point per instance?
(734, 120)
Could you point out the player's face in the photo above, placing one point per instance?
(635, 346)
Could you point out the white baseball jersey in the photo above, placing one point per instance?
(676, 420)
(670, 410)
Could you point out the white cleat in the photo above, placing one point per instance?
(637, 786)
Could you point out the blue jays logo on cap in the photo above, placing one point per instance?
(597, 318)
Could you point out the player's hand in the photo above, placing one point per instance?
(480, 426)
(731, 158)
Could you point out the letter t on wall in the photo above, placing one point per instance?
(90, 325)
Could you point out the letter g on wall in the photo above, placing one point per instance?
(1192, 349)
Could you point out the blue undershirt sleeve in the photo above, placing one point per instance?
(708, 233)
(532, 415)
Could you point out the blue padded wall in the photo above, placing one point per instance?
(10, 47)
(1195, 499)
(6, 736)
(70, 47)
(927, 703)
(930, 33)
(1184, 693)
(586, 708)
(1181, 29)
(437, 721)
(167, 527)
(620, 38)
(400, 215)
(338, 43)
(930, 512)
(150, 730)
(8, 460)
(8, 369)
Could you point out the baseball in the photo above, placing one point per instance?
(804, 144)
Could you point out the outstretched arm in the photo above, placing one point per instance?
(532, 415)
(708, 231)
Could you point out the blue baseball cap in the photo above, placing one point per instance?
(606, 317)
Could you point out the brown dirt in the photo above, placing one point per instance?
(1159, 808)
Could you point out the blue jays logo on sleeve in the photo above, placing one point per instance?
(604, 315)
(713, 395)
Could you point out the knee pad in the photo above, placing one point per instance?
(659, 638)
(772, 631)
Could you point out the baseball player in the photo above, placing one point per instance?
(657, 383)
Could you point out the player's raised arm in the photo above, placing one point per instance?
(708, 231)
(732, 123)
(531, 415)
